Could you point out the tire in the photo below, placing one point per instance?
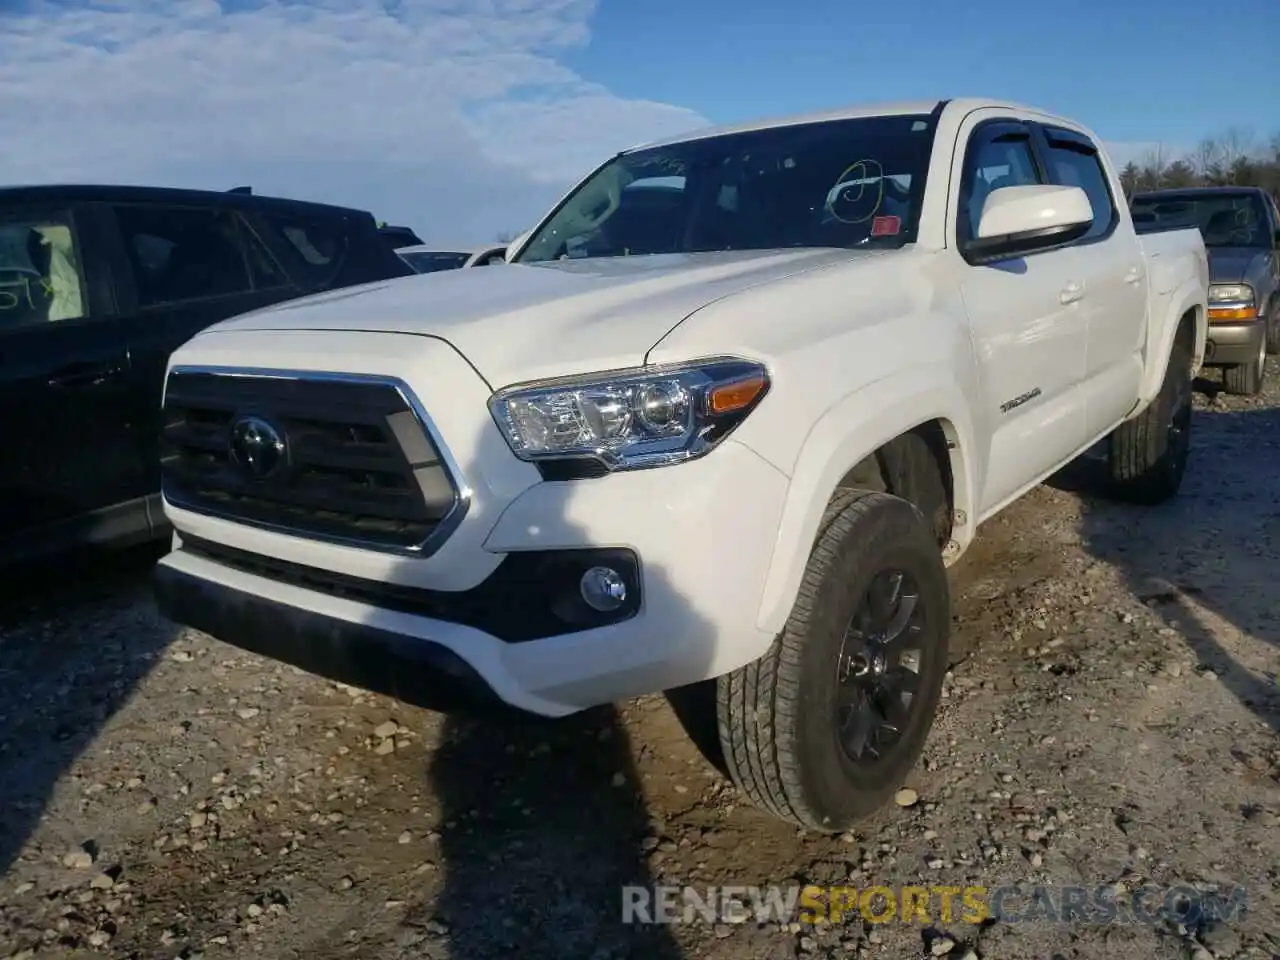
(1273, 326)
(910, 469)
(1147, 456)
(1245, 379)
(778, 717)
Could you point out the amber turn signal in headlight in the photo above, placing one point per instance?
(1232, 313)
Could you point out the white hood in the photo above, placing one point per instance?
(522, 322)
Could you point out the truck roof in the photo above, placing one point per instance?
(895, 108)
(121, 193)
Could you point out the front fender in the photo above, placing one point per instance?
(1190, 297)
(854, 427)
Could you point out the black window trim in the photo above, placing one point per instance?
(58, 213)
(1051, 135)
(130, 262)
(984, 132)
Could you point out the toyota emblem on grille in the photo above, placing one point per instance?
(257, 447)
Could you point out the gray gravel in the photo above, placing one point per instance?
(1111, 718)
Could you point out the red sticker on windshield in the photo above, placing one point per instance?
(885, 226)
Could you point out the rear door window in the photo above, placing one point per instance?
(180, 254)
(319, 242)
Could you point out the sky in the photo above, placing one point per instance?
(467, 118)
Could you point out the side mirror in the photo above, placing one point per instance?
(1033, 219)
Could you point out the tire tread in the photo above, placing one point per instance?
(759, 704)
(1136, 448)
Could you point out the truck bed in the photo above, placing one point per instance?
(1164, 249)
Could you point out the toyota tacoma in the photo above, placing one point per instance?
(734, 406)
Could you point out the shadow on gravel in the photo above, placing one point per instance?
(76, 637)
(546, 821)
(1214, 548)
(549, 821)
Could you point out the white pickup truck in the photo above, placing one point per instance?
(734, 405)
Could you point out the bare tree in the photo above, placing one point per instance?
(1237, 145)
(1153, 165)
(1207, 159)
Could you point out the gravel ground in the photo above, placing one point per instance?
(1111, 718)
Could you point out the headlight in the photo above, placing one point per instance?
(628, 419)
(1230, 293)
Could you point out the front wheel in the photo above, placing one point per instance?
(823, 728)
(1245, 379)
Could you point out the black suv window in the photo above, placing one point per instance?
(1073, 162)
(40, 279)
(1000, 156)
(183, 253)
(320, 242)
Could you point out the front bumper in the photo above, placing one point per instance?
(1229, 344)
(702, 535)
(359, 654)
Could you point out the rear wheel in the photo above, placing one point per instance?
(1147, 455)
(823, 728)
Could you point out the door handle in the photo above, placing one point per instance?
(1072, 292)
(1134, 275)
(83, 375)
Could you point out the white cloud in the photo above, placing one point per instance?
(454, 116)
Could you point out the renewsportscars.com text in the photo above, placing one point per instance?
(1103, 904)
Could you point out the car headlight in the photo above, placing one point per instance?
(628, 419)
(1230, 293)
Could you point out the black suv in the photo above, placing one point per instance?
(98, 285)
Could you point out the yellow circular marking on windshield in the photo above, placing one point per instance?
(867, 170)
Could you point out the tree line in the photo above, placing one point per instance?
(1234, 158)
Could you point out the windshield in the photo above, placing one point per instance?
(837, 183)
(1224, 219)
(431, 261)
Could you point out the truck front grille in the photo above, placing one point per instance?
(331, 457)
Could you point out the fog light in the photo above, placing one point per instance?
(603, 589)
